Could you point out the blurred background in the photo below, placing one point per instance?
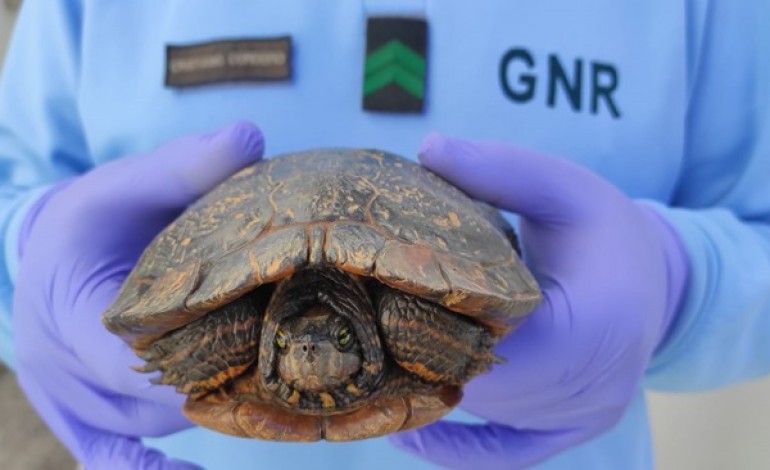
(727, 429)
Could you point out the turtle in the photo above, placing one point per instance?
(331, 293)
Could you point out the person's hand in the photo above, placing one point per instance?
(78, 244)
(612, 273)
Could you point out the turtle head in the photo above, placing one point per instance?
(317, 351)
(320, 351)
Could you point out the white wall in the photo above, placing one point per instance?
(728, 429)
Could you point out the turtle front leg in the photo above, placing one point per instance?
(432, 342)
(207, 353)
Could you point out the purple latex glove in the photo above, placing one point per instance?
(77, 246)
(612, 273)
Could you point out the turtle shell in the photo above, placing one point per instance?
(366, 212)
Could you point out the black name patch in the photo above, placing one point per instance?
(228, 61)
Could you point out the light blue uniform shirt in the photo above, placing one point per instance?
(668, 100)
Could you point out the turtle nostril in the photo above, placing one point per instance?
(304, 348)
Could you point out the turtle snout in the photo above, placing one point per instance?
(308, 350)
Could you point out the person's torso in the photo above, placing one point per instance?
(601, 83)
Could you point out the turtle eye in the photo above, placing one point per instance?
(280, 339)
(344, 337)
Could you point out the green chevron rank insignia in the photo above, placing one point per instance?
(394, 71)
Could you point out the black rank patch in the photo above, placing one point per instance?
(395, 66)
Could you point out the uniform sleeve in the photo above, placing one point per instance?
(41, 140)
(722, 207)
